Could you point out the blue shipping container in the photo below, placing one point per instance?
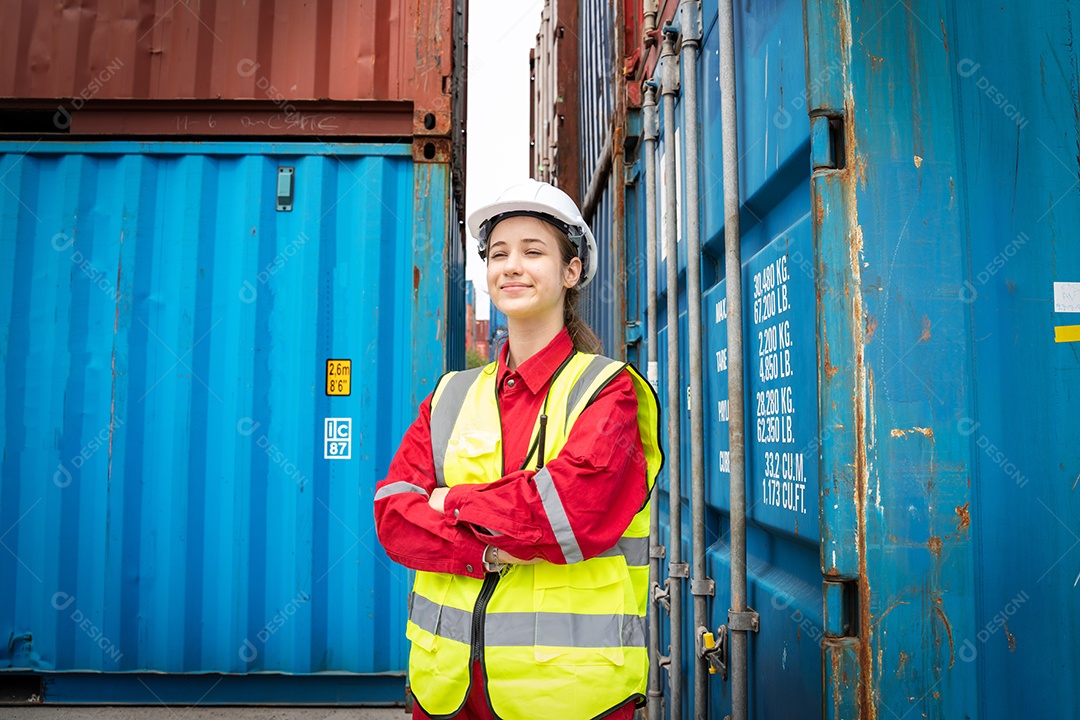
(911, 314)
(188, 462)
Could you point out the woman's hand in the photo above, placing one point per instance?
(437, 498)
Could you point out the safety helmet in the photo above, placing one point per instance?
(544, 201)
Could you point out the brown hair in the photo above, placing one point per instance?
(585, 340)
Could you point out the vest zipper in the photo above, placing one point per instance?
(490, 581)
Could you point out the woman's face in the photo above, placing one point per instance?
(525, 272)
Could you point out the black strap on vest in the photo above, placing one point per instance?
(543, 417)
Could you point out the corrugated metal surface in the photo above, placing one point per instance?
(602, 303)
(912, 460)
(555, 94)
(322, 50)
(544, 116)
(578, 125)
(330, 68)
(597, 82)
(602, 125)
(971, 456)
(166, 498)
(1018, 236)
(780, 367)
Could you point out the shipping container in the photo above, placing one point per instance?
(577, 122)
(369, 69)
(210, 352)
(907, 188)
(497, 329)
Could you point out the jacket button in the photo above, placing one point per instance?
(510, 382)
(468, 568)
(456, 512)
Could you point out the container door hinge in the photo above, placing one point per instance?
(748, 621)
(633, 333)
(713, 648)
(827, 151)
(678, 570)
(658, 552)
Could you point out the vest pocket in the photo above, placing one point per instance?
(474, 452)
(580, 612)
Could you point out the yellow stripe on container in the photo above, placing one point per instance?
(1067, 333)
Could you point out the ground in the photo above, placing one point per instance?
(179, 712)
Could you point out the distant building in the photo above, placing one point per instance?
(476, 331)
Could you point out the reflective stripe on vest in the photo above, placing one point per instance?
(396, 488)
(548, 629)
(553, 508)
(451, 397)
(529, 628)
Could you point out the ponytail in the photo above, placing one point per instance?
(585, 340)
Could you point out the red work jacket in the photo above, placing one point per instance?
(602, 485)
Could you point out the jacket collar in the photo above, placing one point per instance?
(537, 370)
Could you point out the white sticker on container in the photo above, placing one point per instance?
(1067, 297)
(337, 440)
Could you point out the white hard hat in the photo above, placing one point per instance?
(546, 202)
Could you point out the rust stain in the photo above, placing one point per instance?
(926, 432)
(934, 544)
(830, 369)
(918, 162)
(903, 661)
(963, 516)
(889, 609)
(944, 35)
(948, 629)
(837, 681)
(871, 328)
(850, 177)
(926, 325)
(819, 210)
(1010, 636)
(415, 279)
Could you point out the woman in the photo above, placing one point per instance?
(520, 496)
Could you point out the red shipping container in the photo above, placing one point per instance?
(262, 67)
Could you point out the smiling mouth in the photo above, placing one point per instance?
(515, 286)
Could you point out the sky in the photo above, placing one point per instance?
(501, 34)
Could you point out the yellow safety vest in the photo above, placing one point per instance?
(556, 641)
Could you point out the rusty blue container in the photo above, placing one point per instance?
(210, 352)
(911, 312)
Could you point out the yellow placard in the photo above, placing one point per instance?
(339, 377)
(1067, 333)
